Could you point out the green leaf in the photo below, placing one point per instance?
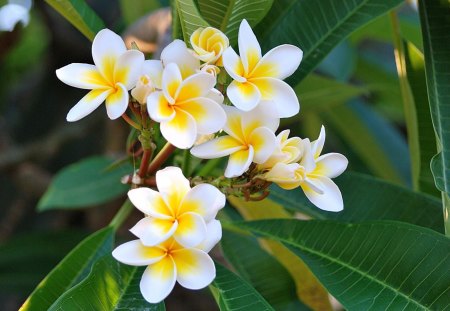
(371, 266)
(227, 15)
(131, 13)
(261, 270)
(369, 198)
(80, 15)
(71, 270)
(109, 286)
(435, 18)
(317, 26)
(189, 18)
(235, 293)
(85, 183)
(17, 275)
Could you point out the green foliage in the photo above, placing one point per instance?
(86, 183)
(131, 13)
(71, 270)
(377, 265)
(80, 15)
(189, 18)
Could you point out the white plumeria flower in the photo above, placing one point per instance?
(289, 150)
(176, 210)
(115, 72)
(259, 78)
(149, 80)
(178, 53)
(186, 107)
(250, 139)
(209, 44)
(170, 262)
(16, 11)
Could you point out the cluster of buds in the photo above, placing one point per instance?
(216, 103)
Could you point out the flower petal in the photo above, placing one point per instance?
(177, 52)
(135, 253)
(195, 269)
(280, 93)
(158, 280)
(233, 65)
(204, 200)
(287, 176)
(117, 102)
(82, 76)
(194, 86)
(280, 62)
(153, 231)
(11, 14)
(191, 230)
(159, 108)
(331, 197)
(249, 48)
(153, 69)
(217, 148)
(307, 160)
(265, 114)
(171, 80)
(317, 145)
(209, 116)
(239, 162)
(245, 96)
(213, 236)
(215, 95)
(106, 49)
(128, 68)
(181, 131)
(150, 202)
(87, 104)
(173, 186)
(264, 142)
(331, 165)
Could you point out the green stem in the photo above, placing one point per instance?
(121, 215)
(208, 167)
(186, 165)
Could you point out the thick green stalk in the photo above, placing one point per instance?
(121, 215)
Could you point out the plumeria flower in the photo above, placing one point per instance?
(170, 262)
(250, 139)
(178, 53)
(16, 11)
(209, 43)
(288, 150)
(176, 210)
(259, 78)
(186, 107)
(115, 72)
(149, 80)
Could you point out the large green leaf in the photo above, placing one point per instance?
(227, 15)
(369, 198)
(236, 294)
(435, 20)
(189, 18)
(71, 270)
(261, 270)
(139, 8)
(371, 266)
(80, 15)
(86, 183)
(109, 286)
(317, 26)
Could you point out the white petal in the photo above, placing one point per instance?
(233, 65)
(280, 93)
(172, 185)
(307, 160)
(317, 145)
(11, 14)
(128, 68)
(117, 103)
(159, 108)
(153, 69)
(331, 198)
(203, 199)
(216, 96)
(195, 269)
(217, 148)
(287, 176)
(82, 76)
(249, 48)
(191, 229)
(263, 141)
(245, 96)
(239, 162)
(265, 114)
(280, 62)
(150, 202)
(153, 231)
(25, 3)
(158, 280)
(106, 49)
(213, 236)
(331, 165)
(181, 131)
(197, 85)
(177, 52)
(171, 80)
(209, 116)
(134, 253)
(87, 104)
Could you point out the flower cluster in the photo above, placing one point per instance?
(216, 103)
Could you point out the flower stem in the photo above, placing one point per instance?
(160, 158)
(131, 122)
(186, 165)
(208, 167)
(121, 215)
(144, 162)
